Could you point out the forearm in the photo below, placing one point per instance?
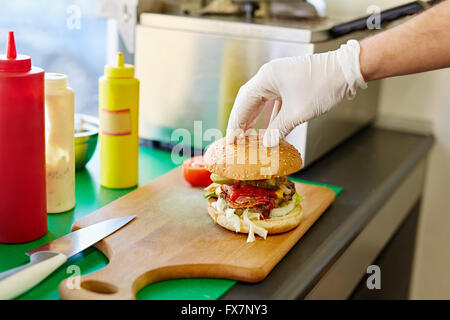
(420, 44)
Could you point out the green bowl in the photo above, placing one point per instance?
(86, 137)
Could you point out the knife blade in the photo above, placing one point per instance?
(78, 240)
(49, 257)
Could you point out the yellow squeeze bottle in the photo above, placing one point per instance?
(118, 136)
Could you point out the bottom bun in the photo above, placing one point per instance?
(273, 225)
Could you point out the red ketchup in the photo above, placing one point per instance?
(23, 215)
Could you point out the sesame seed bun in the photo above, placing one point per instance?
(248, 159)
(273, 225)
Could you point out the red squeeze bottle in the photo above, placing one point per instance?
(23, 215)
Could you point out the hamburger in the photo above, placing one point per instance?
(251, 192)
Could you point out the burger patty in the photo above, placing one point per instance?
(264, 209)
(289, 193)
(283, 182)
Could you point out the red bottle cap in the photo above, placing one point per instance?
(11, 61)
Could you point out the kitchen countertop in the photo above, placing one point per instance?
(368, 166)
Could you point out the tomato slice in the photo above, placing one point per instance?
(194, 172)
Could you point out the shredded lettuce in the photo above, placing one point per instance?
(233, 218)
(247, 216)
(211, 187)
(298, 198)
(252, 227)
(211, 190)
(221, 206)
(209, 195)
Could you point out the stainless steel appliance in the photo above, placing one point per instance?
(191, 68)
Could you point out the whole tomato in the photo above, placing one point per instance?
(195, 173)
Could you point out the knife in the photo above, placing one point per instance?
(49, 257)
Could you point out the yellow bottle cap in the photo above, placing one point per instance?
(120, 70)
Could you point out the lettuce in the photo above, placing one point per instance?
(297, 198)
(209, 195)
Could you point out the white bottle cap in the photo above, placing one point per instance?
(55, 80)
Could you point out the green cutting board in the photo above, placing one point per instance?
(90, 197)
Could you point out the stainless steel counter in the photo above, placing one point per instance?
(382, 175)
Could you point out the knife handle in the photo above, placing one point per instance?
(18, 280)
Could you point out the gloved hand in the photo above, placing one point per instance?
(304, 86)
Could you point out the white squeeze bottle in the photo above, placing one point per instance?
(60, 144)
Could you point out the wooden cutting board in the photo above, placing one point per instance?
(174, 237)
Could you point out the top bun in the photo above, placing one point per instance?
(248, 159)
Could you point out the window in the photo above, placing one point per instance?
(63, 36)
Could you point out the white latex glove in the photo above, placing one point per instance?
(304, 86)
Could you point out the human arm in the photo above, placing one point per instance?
(420, 44)
(311, 85)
